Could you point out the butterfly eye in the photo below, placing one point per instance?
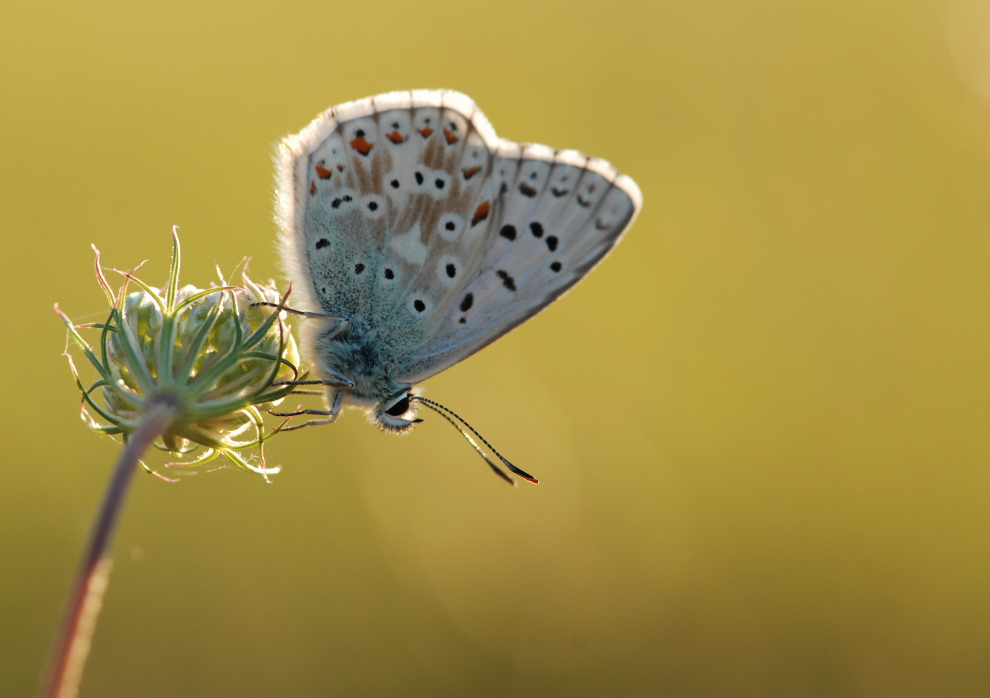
(399, 408)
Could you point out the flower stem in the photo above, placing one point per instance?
(72, 647)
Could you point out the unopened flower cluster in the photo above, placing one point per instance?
(219, 358)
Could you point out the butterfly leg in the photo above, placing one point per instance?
(342, 322)
(312, 422)
(341, 382)
(301, 313)
(334, 379)
(332, 413)
(301, 412)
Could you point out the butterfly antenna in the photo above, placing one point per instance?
(497, 470)
(437, 407)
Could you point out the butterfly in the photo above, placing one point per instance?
(414, 236)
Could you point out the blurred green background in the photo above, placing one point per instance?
(761, 425)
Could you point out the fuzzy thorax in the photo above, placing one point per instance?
(355, 354)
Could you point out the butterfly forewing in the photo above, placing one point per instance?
(407, 212)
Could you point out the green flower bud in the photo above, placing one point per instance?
(213, 355)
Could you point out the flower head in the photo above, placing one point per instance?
(212, 356)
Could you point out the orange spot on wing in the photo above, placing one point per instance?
(340, 168)
(395, 137)
(312, 186)
(323, 172)
(481, 213)
(451, 138)
(471, 172)
(362, 146)
(427, 132)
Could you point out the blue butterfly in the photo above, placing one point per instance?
(414, 236)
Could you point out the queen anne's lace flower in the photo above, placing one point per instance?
(215, 356)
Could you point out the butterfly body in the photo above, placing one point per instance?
(362, 361)
(421, 237)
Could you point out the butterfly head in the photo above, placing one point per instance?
(396, 414)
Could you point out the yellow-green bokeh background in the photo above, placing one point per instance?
(761, 425)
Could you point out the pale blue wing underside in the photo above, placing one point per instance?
(406, 212)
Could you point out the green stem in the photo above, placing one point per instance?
(72, 647)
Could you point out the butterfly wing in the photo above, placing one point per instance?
(406, 212)
(556, 215)
(378, 204)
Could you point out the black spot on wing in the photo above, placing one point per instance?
(507, 280)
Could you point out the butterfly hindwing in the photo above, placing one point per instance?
(407, 211)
